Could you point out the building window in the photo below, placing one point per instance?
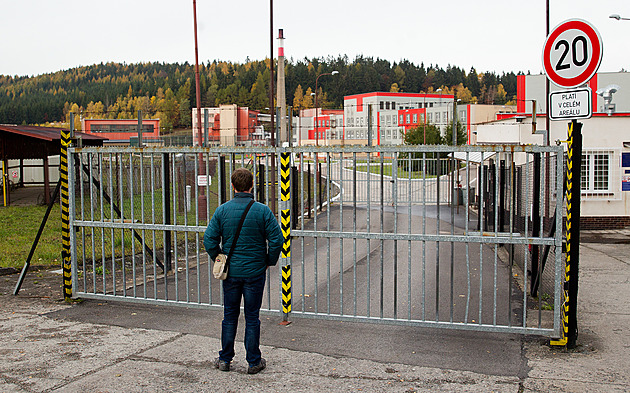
(430, 117)
(408, 119)
(596, 168)
(415, 118)
(394, 119)
(381, 104)
(422, 118)
(393, 105)
(401, 119)
(437, 117)
(430, 105)
(387, 105)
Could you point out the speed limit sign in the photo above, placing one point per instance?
(572, 53)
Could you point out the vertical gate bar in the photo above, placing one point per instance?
(185, 210)
(341, 196)
(144, 244)
(174, 181)
(354, 229)
(111, 193)
(206, 157)
(153, 238)
(369, 213)
(90, 158)
(82, 204)
(511, 194)
(409, 269)
(482, 200)
(302, 213)
(382, 269)
(133, 243)
(437, 243)
(198, 240)
(165, 202)
(526, 257)
(424, 232)
(497, 211)
(328, 207)
(122, 231)
(454, 199)
(316, 186)
(466, 231)
(395, 204)
(267, 186)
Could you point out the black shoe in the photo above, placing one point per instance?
(258, 368)
(221, 365)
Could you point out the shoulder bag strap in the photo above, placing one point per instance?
(238, 230)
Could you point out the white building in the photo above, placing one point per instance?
(606, 144)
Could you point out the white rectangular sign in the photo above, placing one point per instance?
(570, 104)
(203, 180)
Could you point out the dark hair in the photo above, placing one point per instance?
(242, 180)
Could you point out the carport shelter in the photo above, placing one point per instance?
(33, 142)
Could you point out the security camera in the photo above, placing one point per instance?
(606, 93)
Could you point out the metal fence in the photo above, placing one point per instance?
(378, 234)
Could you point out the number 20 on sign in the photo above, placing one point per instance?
(572, 53)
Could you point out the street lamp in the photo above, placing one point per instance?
(316, 109)
(616, 16)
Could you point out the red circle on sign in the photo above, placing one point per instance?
(593, 62)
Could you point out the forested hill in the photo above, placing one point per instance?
(167, 91)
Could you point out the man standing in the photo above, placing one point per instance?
(257, 247)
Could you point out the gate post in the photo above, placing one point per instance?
(573, 194)
(285, 226)
(66, 136)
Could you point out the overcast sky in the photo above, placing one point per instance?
(44, 36)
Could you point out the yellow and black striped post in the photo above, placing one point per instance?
(66, 137)
(569, 307)
(285, 225)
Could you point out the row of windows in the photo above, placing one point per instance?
(329, 123)
(385, 134)
(148, 128)
(387, 105)
(393, 119)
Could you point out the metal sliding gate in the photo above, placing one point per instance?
(404, 235)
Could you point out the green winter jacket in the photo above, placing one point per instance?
(259, 243)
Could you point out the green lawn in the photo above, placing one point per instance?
(18, 228)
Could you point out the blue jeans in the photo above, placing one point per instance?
(251, 290)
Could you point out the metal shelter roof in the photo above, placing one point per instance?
(28, 142)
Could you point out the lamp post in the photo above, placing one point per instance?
(316, 108)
